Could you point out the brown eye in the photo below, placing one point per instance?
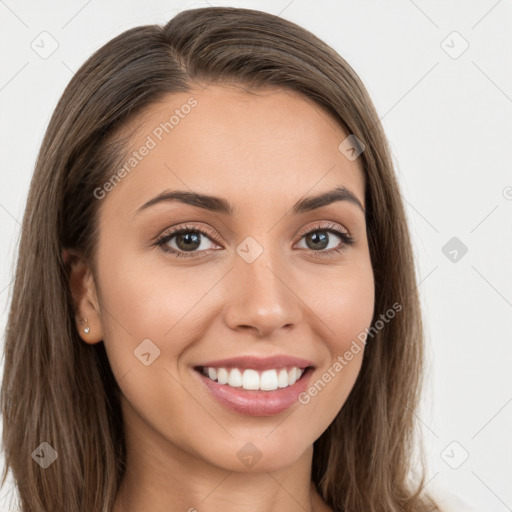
(326, 239)
(317, 241)
(188, 241)
(185, 242)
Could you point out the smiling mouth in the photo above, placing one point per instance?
(254, 380)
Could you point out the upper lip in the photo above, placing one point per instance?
(258, 363)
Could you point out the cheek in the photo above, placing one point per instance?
(346, 307)
(148, 317)
(350, 311)
(350, 305)
(344, 302)
(136, 305)
(146, 300)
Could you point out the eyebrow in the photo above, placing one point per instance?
(220, 205)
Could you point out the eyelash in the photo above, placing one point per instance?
(161, 242)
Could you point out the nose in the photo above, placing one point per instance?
(260, 297)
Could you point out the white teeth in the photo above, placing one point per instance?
(235, 378)
(293, 376)
(268, 380)
(251, 379)
(283, 378)
(222, 376)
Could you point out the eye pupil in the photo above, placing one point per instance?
(314, 237)
(191, 240)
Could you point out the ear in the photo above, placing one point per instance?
(85, 298)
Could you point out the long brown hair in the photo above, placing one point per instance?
(60, 390)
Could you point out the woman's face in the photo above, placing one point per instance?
(252, 277)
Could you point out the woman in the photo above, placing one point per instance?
(215, 303)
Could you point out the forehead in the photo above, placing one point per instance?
(222, 140)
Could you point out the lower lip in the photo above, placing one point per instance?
(257, 402)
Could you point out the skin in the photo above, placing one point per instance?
(261, 152)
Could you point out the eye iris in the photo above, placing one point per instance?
(191, 240)
(315, 238)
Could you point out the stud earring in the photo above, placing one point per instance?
(87, 329)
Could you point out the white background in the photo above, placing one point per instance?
(449, 123)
